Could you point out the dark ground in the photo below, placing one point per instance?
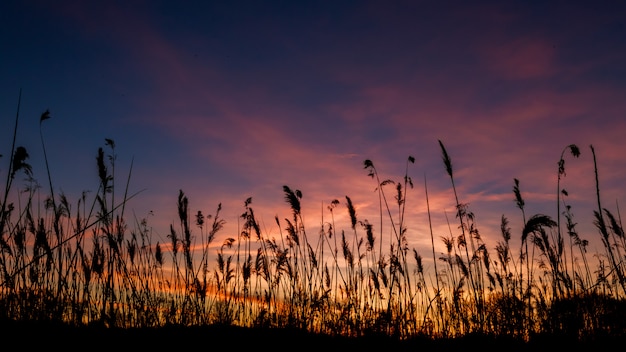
(49, 336)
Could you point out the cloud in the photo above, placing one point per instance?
(243, 115)
(521, 58)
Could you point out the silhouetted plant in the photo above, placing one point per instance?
(90, 265)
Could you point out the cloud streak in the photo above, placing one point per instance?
(234, 102)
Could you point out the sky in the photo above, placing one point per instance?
(227, 100)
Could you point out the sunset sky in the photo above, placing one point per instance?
(234, 99)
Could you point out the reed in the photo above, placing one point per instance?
(89, 263)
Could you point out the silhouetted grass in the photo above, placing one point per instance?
(87, 266)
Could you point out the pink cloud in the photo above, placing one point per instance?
(522, 58)
(245, 128)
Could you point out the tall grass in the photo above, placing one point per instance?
(90, 263)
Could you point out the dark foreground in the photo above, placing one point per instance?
(49, 336)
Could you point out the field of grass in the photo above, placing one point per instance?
(89, 266)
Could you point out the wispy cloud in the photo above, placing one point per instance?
(248, 101)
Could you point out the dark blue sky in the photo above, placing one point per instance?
(230, 100)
